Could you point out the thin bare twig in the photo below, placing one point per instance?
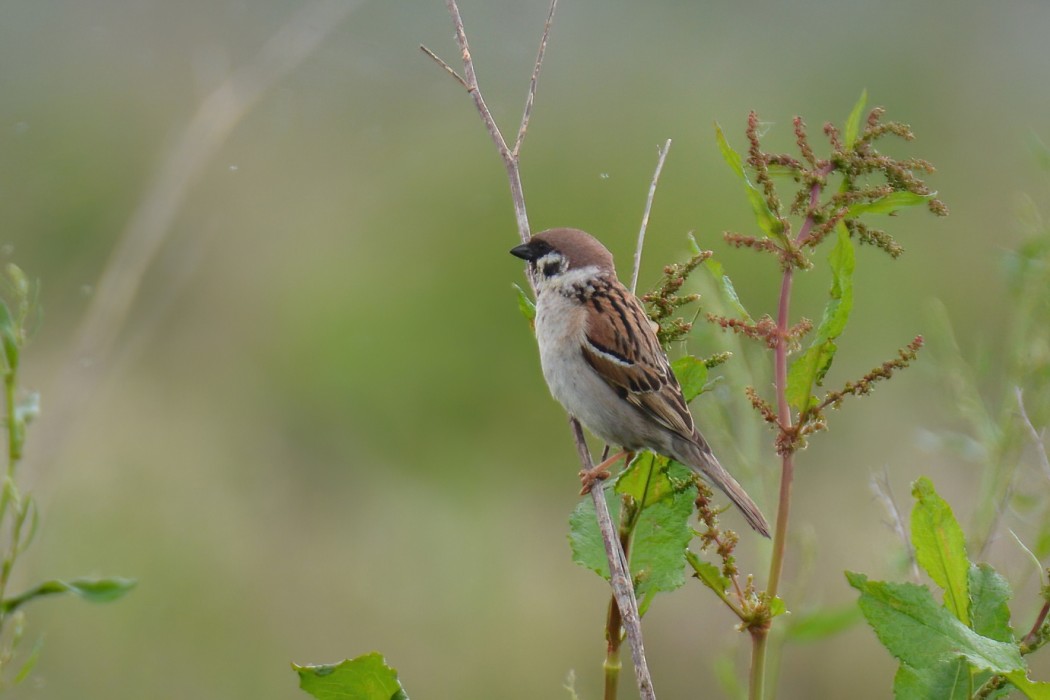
(527, 113)
(150, 224)
(620, 579)
(449, 69)
(880, 486)
(645, 215)
(619, 574)
(1037, 439)
(470, 82)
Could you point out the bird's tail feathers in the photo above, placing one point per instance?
(703, 461)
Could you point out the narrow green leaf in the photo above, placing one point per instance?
(8, 336)
(921, 633)
(731, 296)
(585, 539)
(101, 590)
(365, 678)
(989, 611)
(948, 680)
(811, 367)
(940, 547)
(1031, 689)
(691, 373)
(769, 224)
(526, 305)
(888, 204)
(822, 623)
(853, 121)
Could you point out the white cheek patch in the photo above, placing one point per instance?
(550, 265)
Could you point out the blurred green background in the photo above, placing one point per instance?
(323, 429)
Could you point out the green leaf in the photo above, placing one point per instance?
(940, 547)
(769, 224)
(1031, 689)
(100, 590)
(814, 363)
(645, 479)
(709, 574)
(948, 680)
(691, 373)
(822, 623)
(921, 633)
(526, 305)
(660, 541)
(853, 121)
(888, 204)
(731, 296)
(989, 595)
(8, 336)
(585, 539)
(365, 678)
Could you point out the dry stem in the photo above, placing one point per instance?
(620, 579)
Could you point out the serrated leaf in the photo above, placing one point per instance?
(853, 121)
(526, 305)
(822, 623)
(1032, 690)
(691, 373)
(645, 479)
(769, 224)
(892, 202)
(948, 680)
(660, 541)
(585, 539)
(709, 574)
(365, 678)
(921, 633)
(658, 546)
(811, 367)
(989, 598)
(940, 547)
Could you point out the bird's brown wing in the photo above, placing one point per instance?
(622, 347)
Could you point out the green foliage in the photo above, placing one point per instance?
(365, 678)
(770, 224)
(955, 649)
(812, 365)
(653, 516)
(940, 547)
(18, 514)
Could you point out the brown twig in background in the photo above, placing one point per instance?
(620, 578)
(880, 486)
(645, 215)
(1037, 439)
(180, 168)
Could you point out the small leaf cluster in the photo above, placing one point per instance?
(870, 183)
(963, 647)
(18, 513)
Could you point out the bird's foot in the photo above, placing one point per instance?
(600, 472)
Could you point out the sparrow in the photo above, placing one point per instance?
(603, 363)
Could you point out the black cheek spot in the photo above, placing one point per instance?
(550, 269)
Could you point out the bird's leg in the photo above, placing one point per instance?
(601, 471)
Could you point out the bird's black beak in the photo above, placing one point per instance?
(525, 251)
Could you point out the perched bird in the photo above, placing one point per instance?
(603, 363)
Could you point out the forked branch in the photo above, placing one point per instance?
(620, 577)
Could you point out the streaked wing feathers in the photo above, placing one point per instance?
(622, 348)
